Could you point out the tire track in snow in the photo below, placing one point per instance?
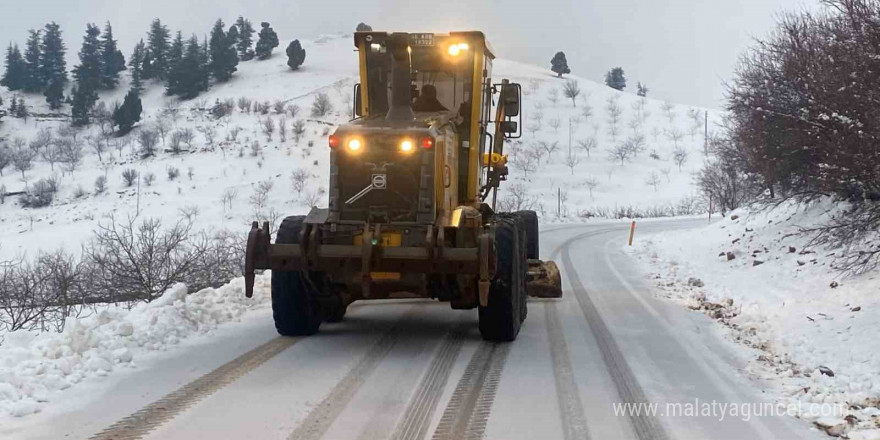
(320, 418)
(417, 416)
(154, 415)
(574, 422)
(467, 412)
(645, 427)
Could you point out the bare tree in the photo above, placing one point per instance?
(22, 157)
(679, 156)
(298, 179)
(549, 148)
(571, 90)
(517, 198)
(591, 183)
(572, 161)
(147, 139)
(129, 177)
(71, 153)
(280, 107)
(635, 144)
(614, 112)
(228, 197)
(282, 129)
(51, 153)
(175, 141)
(233, 133)
(268, 127)
(210, 135)
(5, 157)
(587, 111)
(553, 96)
(527, 162)
(668, 111)
(260, 197)
(187, 135)
(620, 152)
(666, 172)
(554, 124)
(298, 130)
(293, 110)
(653, 180)
(97, 144)
(162, 127)
(587, 144)
(674, 135)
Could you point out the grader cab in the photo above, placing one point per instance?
(413, 182)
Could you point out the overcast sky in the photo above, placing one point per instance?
(682, 49)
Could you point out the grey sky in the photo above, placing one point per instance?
(682, 49)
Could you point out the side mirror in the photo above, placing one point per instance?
(510, 98)
(509, 127)
(357, 111)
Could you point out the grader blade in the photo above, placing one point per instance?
(544, 280)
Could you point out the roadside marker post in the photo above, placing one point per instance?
(632, 231)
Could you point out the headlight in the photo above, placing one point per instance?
(355, 145)
(407, 146)
(456, 49)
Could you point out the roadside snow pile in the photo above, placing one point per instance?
(815, 332)
(34, 367)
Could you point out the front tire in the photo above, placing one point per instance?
(295, 306)
(530, 222)
(501, 319)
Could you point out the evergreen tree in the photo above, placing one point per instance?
(157, 40)
(129, 113)
(204, 66)
(53, 66)
(81, 106)
(91, 63)
(363, 27)
(296, 55)
(33, 81)
(136, 63)
(112, 58)
(21, 110)
(267, 42)
(223, 56)
(55, 94)
(190, 73)
(175, 55)
(615, 79)
(559, 64)
(245, 39)
(14, 77)
(642, 90)
(147, 69)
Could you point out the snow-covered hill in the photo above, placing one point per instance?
(242, 156)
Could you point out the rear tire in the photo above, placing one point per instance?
(501, 319)
(295, 305)
(333, 308)
(530, 220)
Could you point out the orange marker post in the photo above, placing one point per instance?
(632, 231)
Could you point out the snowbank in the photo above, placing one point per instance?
(814, 333)
(35, 368)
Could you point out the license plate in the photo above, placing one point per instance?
(421, 39)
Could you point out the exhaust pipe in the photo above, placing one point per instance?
(401, 79)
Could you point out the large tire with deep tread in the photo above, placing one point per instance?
(500, 320)
(295, 304)
(530, 220)
(333, 309)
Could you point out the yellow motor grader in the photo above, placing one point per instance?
(413, 182)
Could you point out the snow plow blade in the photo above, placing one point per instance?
(544, 280)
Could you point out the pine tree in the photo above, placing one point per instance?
(267, 42)
(53, 66)
(245, 39)
(175, 55)
(91, 64)
(136, 63)
(81, 106)
(113, 60)
(147, 69)
(615, 79)
(204, 66)
(296, 55)
(157, 41)
(14, 77)
(21, 110)
(129, 113)
(55, 94)
(223, 56)
(559, 64)
(188, 74)
(363, 27)
(642, 90)
(33, 81)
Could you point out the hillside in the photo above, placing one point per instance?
(218, 177)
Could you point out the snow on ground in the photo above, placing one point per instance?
(814, 333)
(35, 368)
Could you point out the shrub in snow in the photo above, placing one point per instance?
(129, 177)
(40, 194)
(296, 55)
(321, 106)
(149, 178)
(100, 185)
(173, 173)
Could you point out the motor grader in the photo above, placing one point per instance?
(414, 178)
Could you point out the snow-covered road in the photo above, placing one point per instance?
(416, 369)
